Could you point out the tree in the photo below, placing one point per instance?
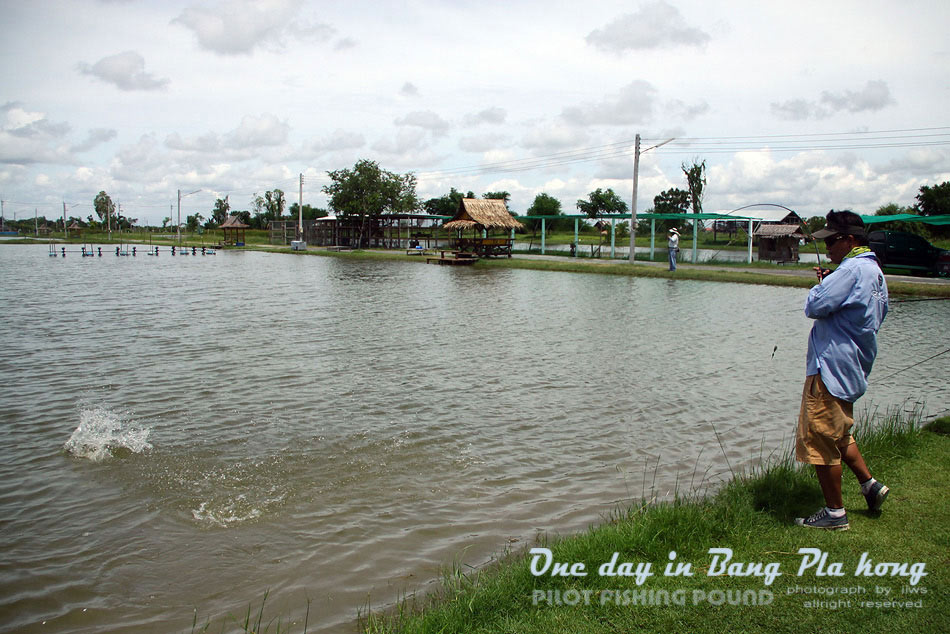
(505, 196)
(601, 203)
(695, 183)
(270, 206)
(934, 201)
(544, 205)
(103, 205)
(192, 222)
(672, 201)
(447, 204)
(220, 213)
(893, 209)
(309, 213)
(367, 190)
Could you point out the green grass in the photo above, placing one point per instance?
(753, 515)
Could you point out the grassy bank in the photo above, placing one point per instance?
(769, 274)
(753, 516)
(732, 272)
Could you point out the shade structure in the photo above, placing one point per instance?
(482, 213)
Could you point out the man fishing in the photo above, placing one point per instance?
(848, 306)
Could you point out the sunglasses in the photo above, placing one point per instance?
(830, 242)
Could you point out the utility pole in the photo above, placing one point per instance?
(633, 205)
(633, 202)
(300, 210)
(36, 222)
(65, 230)
(180, 196)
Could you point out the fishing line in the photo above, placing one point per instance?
(918, 299)
(915, 365)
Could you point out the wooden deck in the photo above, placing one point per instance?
(456, 258)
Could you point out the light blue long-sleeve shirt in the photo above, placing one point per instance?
(848, 308)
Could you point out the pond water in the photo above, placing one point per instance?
(190, 433)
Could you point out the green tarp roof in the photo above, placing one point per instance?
(929, 220)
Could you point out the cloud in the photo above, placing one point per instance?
(266, 130)
(95, 137)
(124, 70)
(409, 90)
(338, 141)
(405, 141)
(544, 139)
(656, 25)
(28, 137)
(681, 110)
(206, 144)
(493, 115)
(483, 143)
(238, 27)
(633, 104)
(874, 96)
(427, 120)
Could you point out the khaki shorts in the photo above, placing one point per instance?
(824, 425)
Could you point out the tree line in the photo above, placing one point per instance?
(367, 190)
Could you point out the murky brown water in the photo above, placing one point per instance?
(192, 433)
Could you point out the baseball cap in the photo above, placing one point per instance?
(841, 222)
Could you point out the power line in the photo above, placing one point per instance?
(878, 139)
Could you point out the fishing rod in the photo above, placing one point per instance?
(914, 365)
(801, 224)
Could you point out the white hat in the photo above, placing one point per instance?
(674, 231)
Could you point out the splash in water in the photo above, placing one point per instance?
(103, 434)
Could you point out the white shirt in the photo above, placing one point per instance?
(674, 241)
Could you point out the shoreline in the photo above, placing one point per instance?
(731, 562)
(795, 276)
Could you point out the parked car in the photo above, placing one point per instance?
(908, 251)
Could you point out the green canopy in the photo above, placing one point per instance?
(930, 220)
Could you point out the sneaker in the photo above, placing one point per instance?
(821, 519)
(876, 496)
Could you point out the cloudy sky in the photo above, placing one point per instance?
(812, 105)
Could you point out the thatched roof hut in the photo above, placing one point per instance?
(482, 213)
(778, 242)
(233, 230)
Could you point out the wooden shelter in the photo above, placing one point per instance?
(481, 216)
(233, 230)
(75, 229)
(778, 242)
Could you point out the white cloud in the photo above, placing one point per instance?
(655, 25)
(95, 138)
(409, 90)
(125, 71)
(338, 140)
(28, 137)
(873, 97)
(633, 104)
(548, 138)
(494, 115)
(425, 119)
(483, 142)
(206, 143)
(266, 130)
(238, 27)
(403, 142)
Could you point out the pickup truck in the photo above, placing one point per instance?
(909, 252)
